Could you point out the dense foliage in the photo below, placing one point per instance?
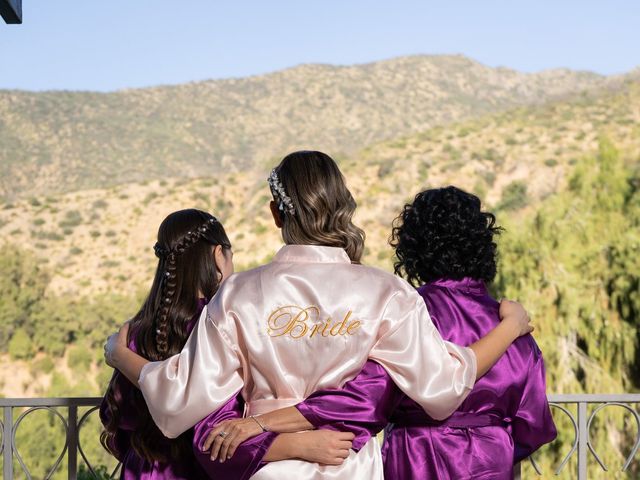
(575, 264)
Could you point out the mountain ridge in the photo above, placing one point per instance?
(60, 141)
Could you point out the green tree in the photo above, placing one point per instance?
(20, 345)
(22, 286)
(514, 196)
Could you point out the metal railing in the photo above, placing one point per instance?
(581, 422)
(71, 424)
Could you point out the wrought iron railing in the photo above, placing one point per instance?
(72, 423)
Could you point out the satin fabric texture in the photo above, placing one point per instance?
(307, 321)
(503, 420)
(133, 466)
(246, 461)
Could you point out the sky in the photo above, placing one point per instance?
(115, 44)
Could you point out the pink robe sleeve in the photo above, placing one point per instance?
(532, 425)
(185, 388)
(437, 375)
(247, 459)
(362, 406)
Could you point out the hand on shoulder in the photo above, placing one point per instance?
(514, 314)
(114, 342)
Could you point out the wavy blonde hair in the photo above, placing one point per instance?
(323, 205)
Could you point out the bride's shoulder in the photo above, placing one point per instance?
(383, 277)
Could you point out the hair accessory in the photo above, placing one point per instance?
(284, 201)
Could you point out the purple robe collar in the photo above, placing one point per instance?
(466, 285)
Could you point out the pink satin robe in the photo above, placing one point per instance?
(307, 321)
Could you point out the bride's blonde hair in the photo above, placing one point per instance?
(316, 207)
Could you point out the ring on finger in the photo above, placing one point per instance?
(223, 434)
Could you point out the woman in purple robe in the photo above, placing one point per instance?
(194, 258)
(446, 243)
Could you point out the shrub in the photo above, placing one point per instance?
(20, 345)
(71, 219)
(79, 358)
(259, 229)
(149, 198)
(45, 235)
(385, 168)
(514, 196)
(42, 365)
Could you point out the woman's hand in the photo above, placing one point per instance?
(516, 316)
(226, 436)
(325, 447)
(114, 342)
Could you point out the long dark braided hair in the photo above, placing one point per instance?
(186, 271)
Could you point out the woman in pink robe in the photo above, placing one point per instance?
(307, 321)
(193, 249)
(445, 242)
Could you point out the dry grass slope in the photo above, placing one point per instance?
(100, 240)
(57, 142)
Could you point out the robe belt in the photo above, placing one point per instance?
(266, 405)
(457, 420)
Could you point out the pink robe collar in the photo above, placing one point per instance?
(311, 254)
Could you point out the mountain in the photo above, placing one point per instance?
(60, 141)
(99, 240)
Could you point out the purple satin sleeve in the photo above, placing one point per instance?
(533, 426)
(362, 406)
(246, 460)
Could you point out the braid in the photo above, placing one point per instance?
(169, 282)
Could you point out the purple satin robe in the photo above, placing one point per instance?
(246, 461)
(247, 458)
(503, 420)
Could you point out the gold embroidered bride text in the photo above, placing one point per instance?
(297, 322)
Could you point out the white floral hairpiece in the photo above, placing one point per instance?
(284, 202)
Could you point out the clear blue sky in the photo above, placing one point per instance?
(111, 44)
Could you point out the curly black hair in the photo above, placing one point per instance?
(444, 234)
